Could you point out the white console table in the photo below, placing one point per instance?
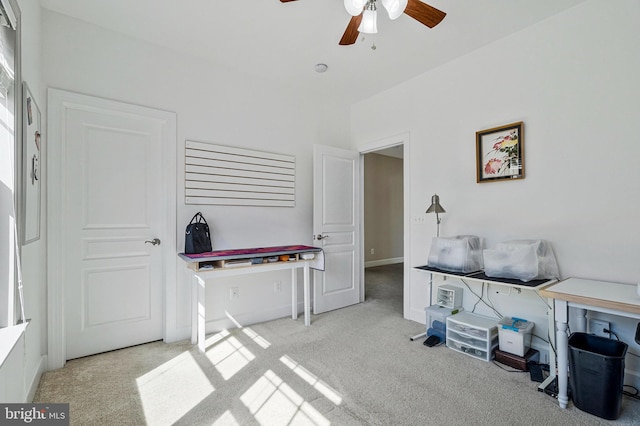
(224, 263)
(585, 295)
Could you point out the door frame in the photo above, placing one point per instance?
(403, 139)
(59, 101)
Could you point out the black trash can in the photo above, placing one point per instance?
(596, 366)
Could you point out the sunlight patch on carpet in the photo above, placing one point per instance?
(312, 379)
(272, 401)
(171, 390)
(229, 356)
(208, 342)
(226, 419)
(258, 339)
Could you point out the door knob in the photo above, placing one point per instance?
(321, 237)
(155, 242)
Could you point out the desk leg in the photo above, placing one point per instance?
(201, 311)
(551, 325)
(421, 335)
(561, 311)
(294, 293)
(581, 320)
(307, 316)
(430, 290)
(194, 308)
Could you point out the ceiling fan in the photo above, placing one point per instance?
(364, 15)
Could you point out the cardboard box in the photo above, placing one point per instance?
(517, 362)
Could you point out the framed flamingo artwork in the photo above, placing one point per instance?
(500, 153)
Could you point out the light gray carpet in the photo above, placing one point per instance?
(353, 366)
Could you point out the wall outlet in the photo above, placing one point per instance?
(505, 291)
(373, 251)
(234, 293)
(598, 327)
(277, 286)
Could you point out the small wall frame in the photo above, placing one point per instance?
(500, 153)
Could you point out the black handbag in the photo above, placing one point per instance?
(197, 238)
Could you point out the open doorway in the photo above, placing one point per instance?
(383, 226)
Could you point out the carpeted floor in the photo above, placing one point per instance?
(353, 366)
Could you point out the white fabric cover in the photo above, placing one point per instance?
(525, 260)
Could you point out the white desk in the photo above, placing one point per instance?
(207, 266)
(480, 277)
(600, 296)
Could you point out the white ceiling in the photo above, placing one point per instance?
(282, 42)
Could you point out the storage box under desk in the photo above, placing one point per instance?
(472, 334)
(439, 314)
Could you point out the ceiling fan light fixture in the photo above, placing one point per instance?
(354, 7)
(369, 23)
(395, 8)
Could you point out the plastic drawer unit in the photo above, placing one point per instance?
(449, 296)
(472, 334)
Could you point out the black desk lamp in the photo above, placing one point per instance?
(436, 208)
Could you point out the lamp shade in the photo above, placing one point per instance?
(368, 24)
(394, 7)
(435, 206)
(354, 7)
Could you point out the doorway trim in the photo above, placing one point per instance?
(59, 101)
(403, 139)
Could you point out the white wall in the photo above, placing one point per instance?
(214, 105)
(573, 80)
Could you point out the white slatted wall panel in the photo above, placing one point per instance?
(225, 175)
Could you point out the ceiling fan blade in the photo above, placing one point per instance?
(351, 33)
(422, 12)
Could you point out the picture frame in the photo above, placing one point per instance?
(31, 166)
(500, 153)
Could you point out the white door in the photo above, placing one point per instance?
(113, 211)
(336, 215)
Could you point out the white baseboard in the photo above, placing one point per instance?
(35, 380)
(246, 319)
(382, 262)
